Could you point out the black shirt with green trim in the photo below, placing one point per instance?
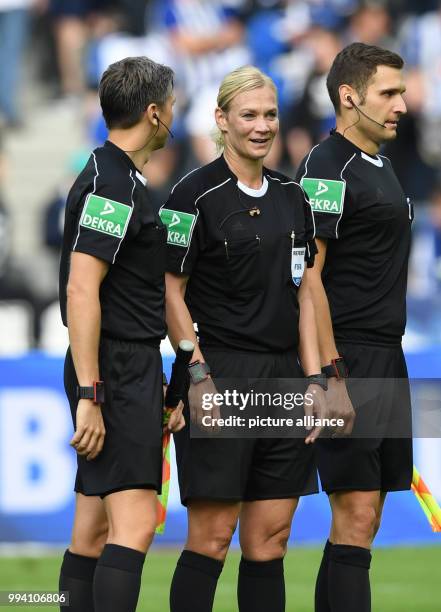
(244, 251)
(109, 215)
(360, 209)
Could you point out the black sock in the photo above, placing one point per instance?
(348, 578)
(261, 586)
(76, 577)
(118, 579)
(321, 584)
(194, 583)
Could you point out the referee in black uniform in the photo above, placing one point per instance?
(240, 238)
(363, 223)
(112, 301)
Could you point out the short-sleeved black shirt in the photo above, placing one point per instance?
(242, 290)
(109, 215)
(360, 208)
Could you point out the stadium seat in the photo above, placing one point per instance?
(54, 338)
(16, 321)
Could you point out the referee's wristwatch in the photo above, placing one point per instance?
(337, 368)
(94, 393)
(198, 371)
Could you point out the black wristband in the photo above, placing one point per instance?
(318, 379)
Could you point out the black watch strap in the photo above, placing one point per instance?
(85, 393)
(318, 379)
(337, 368)
(94, 393)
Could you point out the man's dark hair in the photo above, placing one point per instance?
(355, 65)
(128, 87)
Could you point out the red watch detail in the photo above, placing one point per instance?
(98, 392)
(337, 368)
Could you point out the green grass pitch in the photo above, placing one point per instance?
(403, 579)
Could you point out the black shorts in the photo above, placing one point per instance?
(370, 464)
(242, 469)
(132, 454)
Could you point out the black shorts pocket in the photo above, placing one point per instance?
(243, 265)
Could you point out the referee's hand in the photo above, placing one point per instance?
(340, 406)
(318, 408)
(196, 394)
(88, 440)
(174, 420)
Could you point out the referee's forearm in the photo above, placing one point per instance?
(308, 341)
(180, 324)
(326, 342)
(84, 324)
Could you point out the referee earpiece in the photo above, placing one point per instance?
(349, 99)
(155, 116)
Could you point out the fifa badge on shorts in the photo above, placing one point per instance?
(297, 264)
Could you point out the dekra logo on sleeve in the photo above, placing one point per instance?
(326, 196)
(105, 216)
(179, 226)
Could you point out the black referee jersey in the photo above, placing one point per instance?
(244, 251)
(362, 212)
(109, 215)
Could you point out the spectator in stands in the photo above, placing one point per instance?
(425, 264)
(370, 23)
(14, 17)
(162, 171)
(406, 153)
(13, 285)
(53, 215)
(265, 38)
(313, 116)
(136, 13)
(420, 38)
(208, 39)
(288, 23)
(72, 20)
(4, 220)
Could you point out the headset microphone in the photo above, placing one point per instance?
(155, 116)
(358, 109)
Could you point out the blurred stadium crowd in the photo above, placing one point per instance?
(52, 55)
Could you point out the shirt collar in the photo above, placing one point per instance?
(229, 173)
(352, 148)
(121, 154)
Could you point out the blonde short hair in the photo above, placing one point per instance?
(245, 78)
